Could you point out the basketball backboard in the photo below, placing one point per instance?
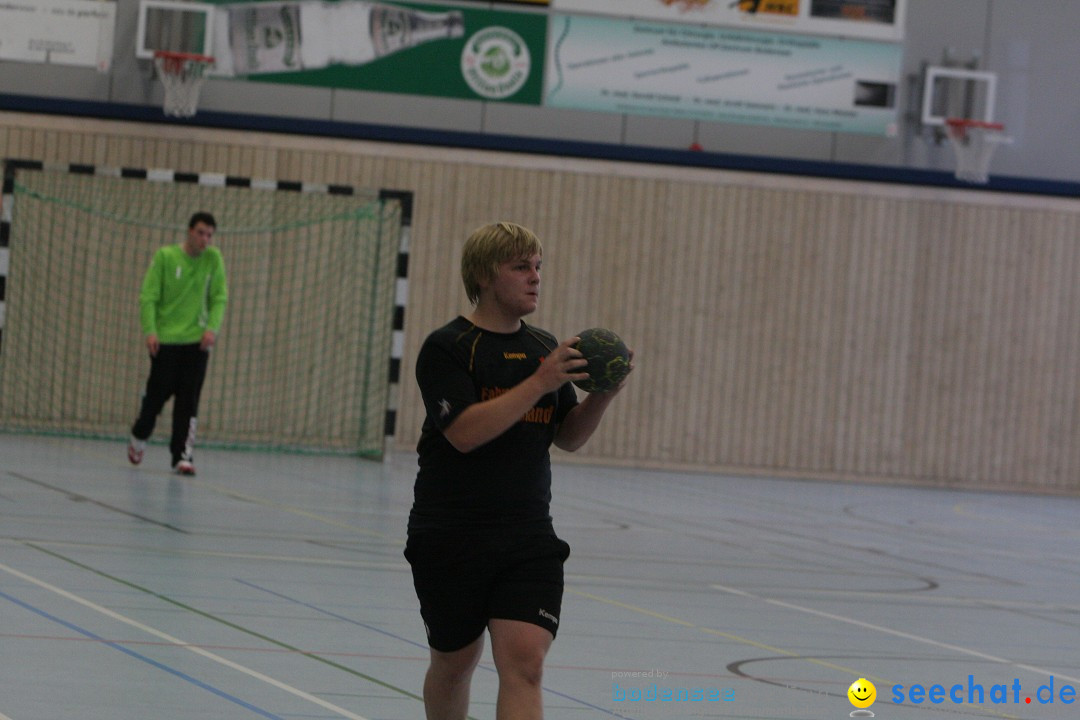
(175, 26)
(950, 92)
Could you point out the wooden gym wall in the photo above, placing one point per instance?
(783, 326)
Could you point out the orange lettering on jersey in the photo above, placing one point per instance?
(491, 393)
(539, 415)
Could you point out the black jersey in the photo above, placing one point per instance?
(505, 484)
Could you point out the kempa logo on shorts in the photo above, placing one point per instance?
(496, 63)
(545, 614)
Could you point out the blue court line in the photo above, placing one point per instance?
(334, 615)
(351, 621)
(138, 656)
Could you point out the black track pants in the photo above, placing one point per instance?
(177, 371)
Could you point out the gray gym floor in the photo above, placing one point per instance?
(273, 585)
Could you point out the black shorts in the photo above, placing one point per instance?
(463, 582)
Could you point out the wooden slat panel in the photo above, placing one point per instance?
(781, 325)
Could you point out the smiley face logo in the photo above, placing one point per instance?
(862, 693)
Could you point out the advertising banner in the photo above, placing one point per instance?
(65, 32)
(722, 74)
(389, 47)
(867, 19)
(521, 2)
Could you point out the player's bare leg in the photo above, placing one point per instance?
(446, 685)
(519, 649)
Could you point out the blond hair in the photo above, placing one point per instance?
(490, 246)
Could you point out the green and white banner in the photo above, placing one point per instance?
(640, 67)
(389, 47)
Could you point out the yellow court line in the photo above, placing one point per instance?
(258, 501)
(763, 646)
(719, 633)
(292, 509)
(963, 510)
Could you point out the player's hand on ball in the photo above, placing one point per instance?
(562, 365)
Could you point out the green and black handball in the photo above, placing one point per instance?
(608, 356)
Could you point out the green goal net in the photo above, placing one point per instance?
(302, 362)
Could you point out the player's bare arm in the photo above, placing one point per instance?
(580, 423)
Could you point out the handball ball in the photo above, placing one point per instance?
(609, 359)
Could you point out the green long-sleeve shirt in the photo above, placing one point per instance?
(183, 296)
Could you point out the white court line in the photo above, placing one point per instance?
(896, 633)
(180, 643)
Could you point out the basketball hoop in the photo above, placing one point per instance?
(182, 74)
(974, 142)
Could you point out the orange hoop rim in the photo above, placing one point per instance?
(966, 123)
(175, 62)
(173, 55)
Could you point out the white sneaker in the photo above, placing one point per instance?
(184, 466)
(136, 448)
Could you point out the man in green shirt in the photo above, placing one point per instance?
(181, 305)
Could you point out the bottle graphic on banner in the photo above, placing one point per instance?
(274, 37)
